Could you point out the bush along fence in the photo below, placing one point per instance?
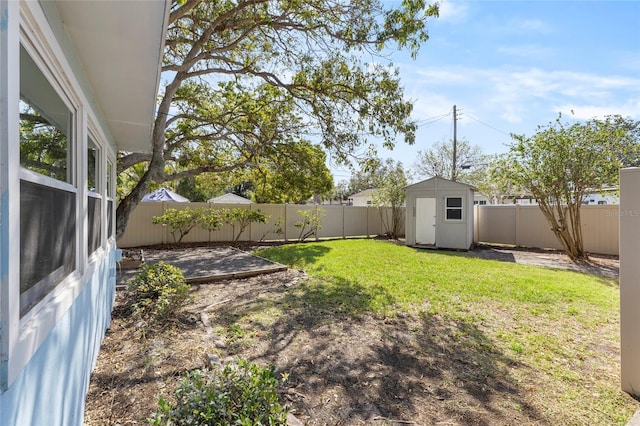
(167, 223)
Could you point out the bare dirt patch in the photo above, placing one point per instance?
(343, 369)
(354, 370)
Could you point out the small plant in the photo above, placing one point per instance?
(211, 220)
(242, 218)
(310, 223)
(242, 394)
(180, 221)
(157, 291)
(277, 228)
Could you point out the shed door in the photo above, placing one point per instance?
(426, 221)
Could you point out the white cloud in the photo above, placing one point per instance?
(430, 105)
(533, 26)
(452, 11)
(529, 51)
(512, 95)
(586, 112)
(447, 76)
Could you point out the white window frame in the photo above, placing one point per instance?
(110, 196)
(100, 187)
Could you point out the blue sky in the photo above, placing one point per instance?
(510, 66)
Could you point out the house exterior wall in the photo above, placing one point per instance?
(48, 352)
(52, 388)
(362, 201)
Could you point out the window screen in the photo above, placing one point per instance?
(110, 218)
(47, 240)
(95, 223)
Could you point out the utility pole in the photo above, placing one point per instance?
(455, 145)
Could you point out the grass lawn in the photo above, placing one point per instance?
(552, 335)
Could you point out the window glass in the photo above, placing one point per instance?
(47, 213)
(108, 179)
(110, 192)
(110, 218)
(95, 223)
(92, 166)
(45, 124)
(454, 202)
(454, 208)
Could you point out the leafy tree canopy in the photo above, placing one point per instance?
(562, 162)
(471, 163)
(371, 173)
(243, 77)
(391, 194)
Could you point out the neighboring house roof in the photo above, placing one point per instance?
(164, 194)
(120, 46)
(366, 193)
(230, 199)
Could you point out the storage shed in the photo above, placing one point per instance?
(439, 214)
(230, 198)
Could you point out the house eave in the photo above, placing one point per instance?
(120, 45)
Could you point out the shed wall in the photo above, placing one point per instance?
(449, 234)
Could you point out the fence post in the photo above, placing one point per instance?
(629, 228)
(285, 224)
(164, 228)
(517, 221)
(316, 215)
(367, 210)
(250, 224)
(344, 234)
(476, 223)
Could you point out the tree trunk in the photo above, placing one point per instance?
(563, 223)
(128, 203)
(157, 163)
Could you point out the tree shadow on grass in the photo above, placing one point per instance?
(348, 366)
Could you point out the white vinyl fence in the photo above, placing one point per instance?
(516, 225)
(338, 222)
(526, 226)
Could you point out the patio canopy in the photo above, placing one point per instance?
(164, 194)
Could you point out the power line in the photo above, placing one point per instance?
(488, 125)
(427, 122)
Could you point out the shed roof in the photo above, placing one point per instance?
(434, 182)
(231, 199)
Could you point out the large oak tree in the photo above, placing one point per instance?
(245, 77)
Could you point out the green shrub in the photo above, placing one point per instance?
(310, 224)
(242, 218)
(242, 394)
(157, 291)
(180, 222)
